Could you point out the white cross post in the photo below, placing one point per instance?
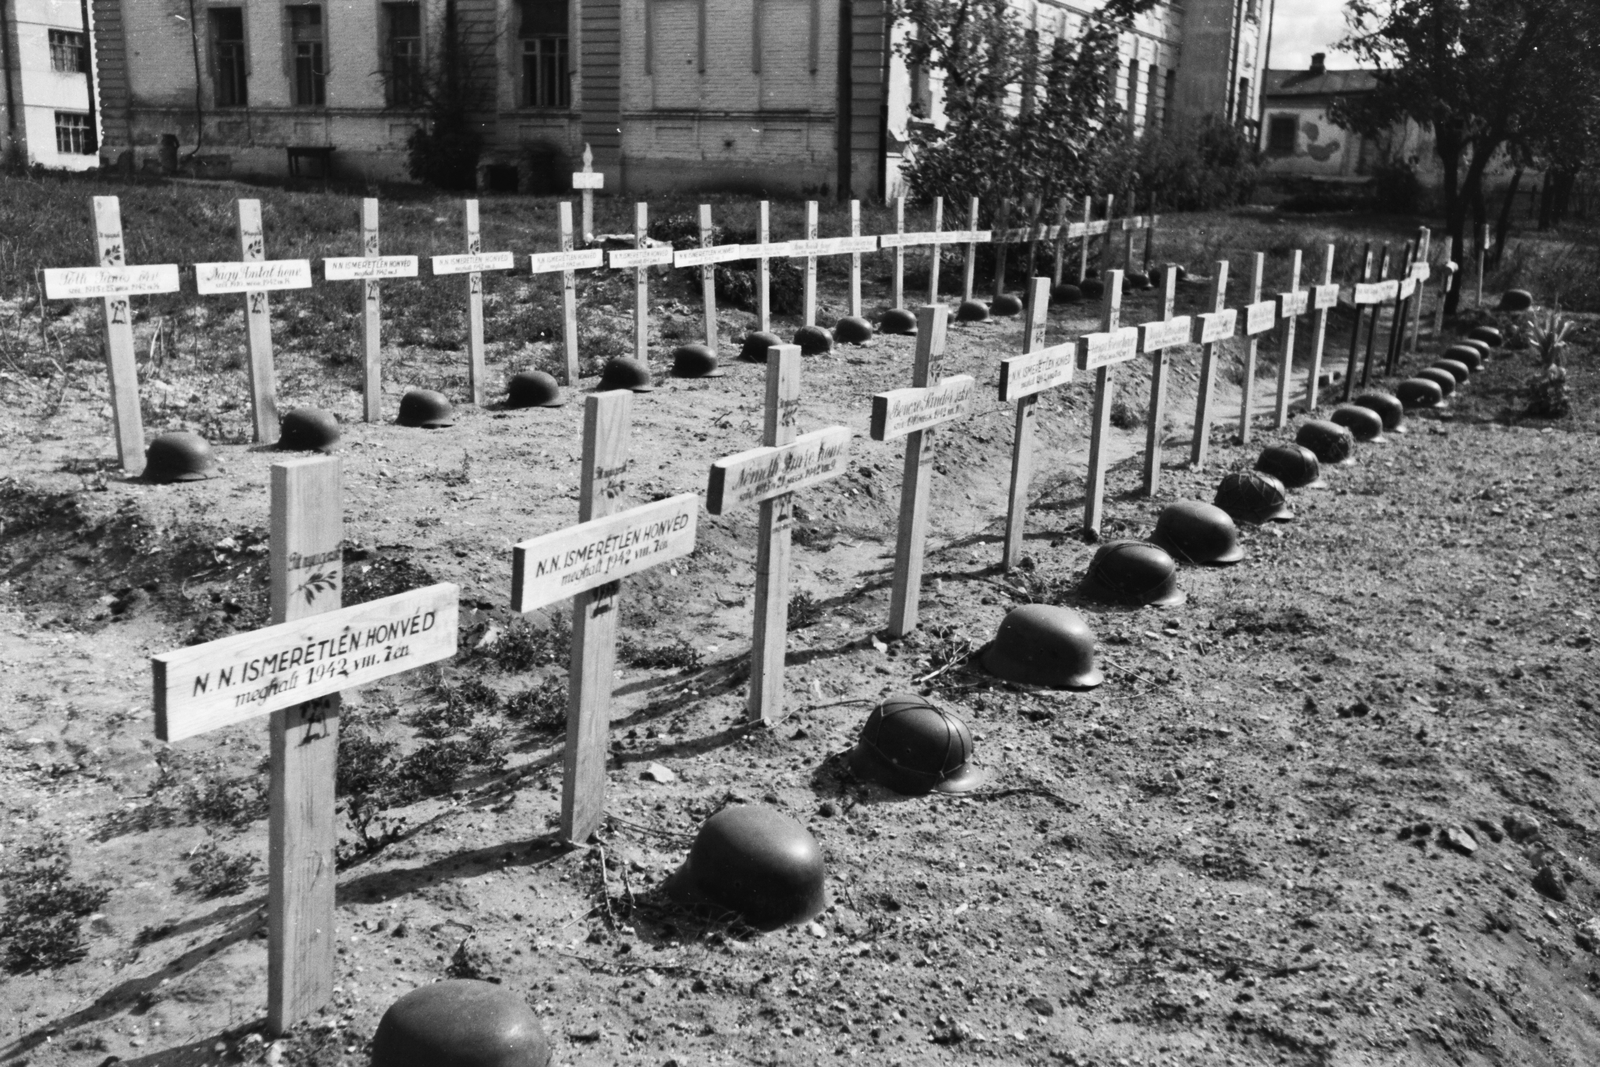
(367, 269)
(472, 264)
(1022, 379)
(295, 670)
(1059, 233)
(1420, 270)
(936, 253)
(897, 286)
(1483, 248)
(705, 257)
(1447, 276)
(1131, 225)
(1291, 304)
(912, 413)
(708, 279)
(1260, 316)
(1210, 328)
(1323, 299)
(1083, 246)
(641, 257)
(1003, 236)
(935, 239)
(1154, 340)
(808, 313)
(115, 282)
(1364, 294)
(769, 476)
(813, 247)
(587, 563)
(586, 181)
(1385, 292)
(1099, 352)
(1104, 229)
(568, 261)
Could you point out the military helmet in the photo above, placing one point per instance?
(756, 862)
(533, 389)
(897, 320)
(1006, 304)
(308, 430)
(1458, 370)
(1251, 496)
(460, 1023)
(1516, 300)
(756, 343)
(1390, 411)
(1489, 335)
(1472, 355)
(179, 456)
(1134, 279)
(853, 330)
(1066, 293)
(1329, 441)
(1363, 423)
(1443, 378)
(813, 340)
(1419, 393)
(1041, 644)
(1196, 532)
(1134, 573)
(1092, 288)
(695, 361)
(1296, 466)
(912, 747)
(972, 311)
(625, 372)
(1483, 347)
(425, 408)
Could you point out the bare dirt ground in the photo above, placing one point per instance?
(1302, 822)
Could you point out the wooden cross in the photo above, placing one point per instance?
(1210, 328)
(1447, 275)
(1406, 287)
(1104, 229)
(569, 260)
(912, 413)
(897, 286)
(641, 257)
(1260, 316)
(1290, 306)
(587, 563)
(1083, 247)
(706, 257)
(935, 239)
(368, 268)
(969, 268)
(255, 276)
(1154, 340)
(813, 247)
(1099, 352)
(855, 257)
(1003, 238)
(1034, 233)
(1421, 271)
(764, 268)
(936, 253)
(1150, 233)
(115, 282)
(708, 278)
(1022, 379)
(1363, 295)
(587, 181)
(294, 670)
(769, 476)
(1323, 299)
(809, 299)
(1130, 226)
(1383, 293)
(475, 261)
(1483, 247)
(1062, 228)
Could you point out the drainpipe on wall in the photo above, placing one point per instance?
(5, 61)
(88, 73)
(845, 112)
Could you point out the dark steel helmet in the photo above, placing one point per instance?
(426, 408)
(1006, 304)
(1443, 378)
(695, 361)
(1251, 496)
(1472, 355)
(1419, 393)
(1328, 440)
(1135, 573)
(912, 747)
(1388, 407)
(1458, 370)
(1092, 288)
(897, 320)
(1296, 466)
(972, 311)
(308, 430)
(1066, 293)
(756, 862)
(1516, 300)
(1363, 423)
(854, 330)
(1196, 532)
(1483, 347)
(179, 456)
(625, 372)
(1040, 644)
(1136, 280)
(460, 1023)
(756, 343)
(813, 340)
(534, 389)
(1489, 335)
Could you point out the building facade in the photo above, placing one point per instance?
(46, 75)
(801, 97)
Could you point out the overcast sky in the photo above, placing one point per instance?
(1301, 27)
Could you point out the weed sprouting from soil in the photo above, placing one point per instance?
(42, 925)
(215, 873)
(540, 707)
(522, 646)
(676, 655)
(204, 795)
(804, 610)
(367, 579)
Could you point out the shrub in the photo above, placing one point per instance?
(1395, 187)
(215, 873)
(45, 907)
(678, 655)
(1199, 168)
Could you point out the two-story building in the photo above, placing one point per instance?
(46, 77)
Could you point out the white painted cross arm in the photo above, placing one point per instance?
(252, 277)
(934, 237)
(81, 283)
(1376, 292)
(588, 179)
(1260, 317)
(1293, 304)
(363, 268)
(562, 564)
(1165, 333)
(1324, 296)
(659, 256)
(1034, 372)
(577, 259)
(758, 474)
(224, 682)
(473, 262)
(1214, 326)
(1097, 350)
(831, 246)
(903, 411)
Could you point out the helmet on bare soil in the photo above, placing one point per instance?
(425, 408)
(533, 389)
(625, 372)
(1443, 378)
(1006, 304)
(1471, 355)
(460, 1023)
(1419, 393)
(897, 321)
(813, 340)
(179, 456)
(972, 311)
(1254, 497)
(1136, 280)
(1193, 531)
(912, 747)
(695, 361)
(308, 430)
(1328, 440)
(1133, 573)
(1458, 369)
(1489, 335)
(756, 343)
(1296, 466)
(1390, 411)
(1041, 644)
(1364, 424)
(1092, 288)
(1516, 300)
(756, 862)
(853, 330)
(1066, 293)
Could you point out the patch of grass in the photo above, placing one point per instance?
(215, 873)
(525, 647)
(540, 707)
(677, 655)
(42, 924)
(201, 793)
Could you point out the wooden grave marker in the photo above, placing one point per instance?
(641, 257)
(473, 264)
(1062, 230)
(1150, 233)
(1447, 276)
(1100, 352)
(708, 278)
(1083, 245)
(1323, 299)
(913, 413)
(568, 261)
(1210, 329)
(969, 265)
(897, 284)
(769, 476)
(764, 267)
(1003, 236)
(936, 253)
(586, 181)
(295, 670)
(1362, 296)
(1483, 248)
(1131, 225)
(1103, 230)
(114, 282)
(1382, 291)
(814, 247)
(368, 268)
(587, 563)
(1154, 340)
(855, 256)
(1022, 379)
(1260, 316)
(1405, 292)
(1421, 271)
(255, 276)
(1291, 305)
(1035, 231)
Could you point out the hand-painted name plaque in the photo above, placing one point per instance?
(640, 257)
(1035, 372)
(588, 179)
(1292, 304)
(699, 257)
(902, 411)
(1155, 336)
(567, 562)
(759, 474)
(261, 276)
(1103, 349)
(1260, 317)
(1408, 287)
(474, 262)
(78, 283)
(576, 259)
(357, 268)
(1325, 296)
(1214, 326)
